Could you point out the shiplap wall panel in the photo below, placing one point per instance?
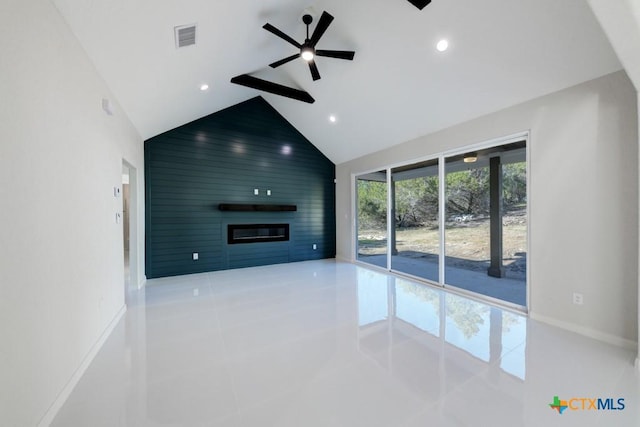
(222, 158)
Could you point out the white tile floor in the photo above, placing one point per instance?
(325, 343)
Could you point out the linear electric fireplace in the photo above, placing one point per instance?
(254, 233)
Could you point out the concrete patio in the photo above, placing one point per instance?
(511, 288)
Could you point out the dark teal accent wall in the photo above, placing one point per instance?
(222, 158)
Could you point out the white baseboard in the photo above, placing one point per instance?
(51, 413)
(343, 259)
(588, 332)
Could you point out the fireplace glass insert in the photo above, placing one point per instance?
(255, 233)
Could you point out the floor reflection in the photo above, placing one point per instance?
(326, 343)
(397, 310)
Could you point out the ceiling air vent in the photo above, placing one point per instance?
(185, 35)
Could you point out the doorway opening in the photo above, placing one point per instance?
(126, 224)
(130, 229)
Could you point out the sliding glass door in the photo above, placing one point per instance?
(459, 220)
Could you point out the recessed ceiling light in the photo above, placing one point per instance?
(442, 45)
(333, 118)
(204, 87)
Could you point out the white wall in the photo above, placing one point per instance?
(620, 21)
(60, 157)
(583, 200)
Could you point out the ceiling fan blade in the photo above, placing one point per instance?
(321, 27)
(271, 87)
(314, 70)
(284, 61)
(420, 4)
(280, 34)
(340, 54)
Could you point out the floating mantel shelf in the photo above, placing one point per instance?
(245, 207)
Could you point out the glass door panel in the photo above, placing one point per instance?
(415, 241)
(486, 222)
(371, 194)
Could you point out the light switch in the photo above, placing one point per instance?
(256, 191)
(268, 192)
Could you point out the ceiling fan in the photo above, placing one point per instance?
(308, 50)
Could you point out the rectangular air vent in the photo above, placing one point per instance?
(185, 35)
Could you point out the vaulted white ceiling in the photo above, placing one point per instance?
(502, 52)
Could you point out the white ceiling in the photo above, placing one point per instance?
(502, 52)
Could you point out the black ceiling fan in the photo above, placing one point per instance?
(308, 49)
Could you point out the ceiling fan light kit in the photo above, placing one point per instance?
(307, 53)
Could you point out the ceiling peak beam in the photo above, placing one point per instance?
(274, 88)
(420, 4)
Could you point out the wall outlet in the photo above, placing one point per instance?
(195, 256)
(577, 298)
(268, 192)
(256, 192)
(315, 246)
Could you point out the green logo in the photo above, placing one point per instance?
(558, 405)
